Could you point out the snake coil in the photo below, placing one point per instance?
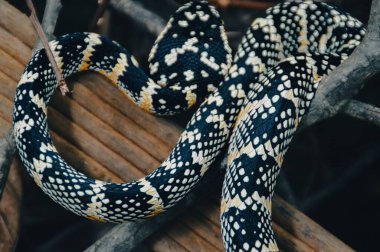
(254, 104)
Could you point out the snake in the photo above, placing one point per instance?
(251, 103)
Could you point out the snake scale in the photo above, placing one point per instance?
(254, 103)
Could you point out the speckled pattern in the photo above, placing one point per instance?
(254, 103)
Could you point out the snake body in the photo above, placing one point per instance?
(254, 103)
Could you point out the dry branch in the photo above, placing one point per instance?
(362, 111)
(145, 18)
(347, 79)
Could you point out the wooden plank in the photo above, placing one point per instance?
(287, 242)
(107, 113)
(308, 231)
(5, 111)
(163, 129)
(164, 244)
(17, 23)
(10, 66)
(204, 228)
(5, 126)
(104, 132)
(15, 47)
(92, 146)
(188, 239)
(160, 242)
(83, 162)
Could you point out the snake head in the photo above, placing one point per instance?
(192, 53)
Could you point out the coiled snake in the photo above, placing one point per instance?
(255, 104)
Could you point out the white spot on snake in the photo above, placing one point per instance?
(189, 75)
(171, 58)
(183, 23)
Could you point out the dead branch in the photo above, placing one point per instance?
(7, 149)
(42, 36)
(362, 111)
(348, 78)
(147, 19)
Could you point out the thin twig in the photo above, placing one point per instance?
(7, 149)
(102, 6)
(37, 26)
(362, 111)
(145, 18)
(348, 78)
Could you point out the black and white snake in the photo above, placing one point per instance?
(255, 103)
